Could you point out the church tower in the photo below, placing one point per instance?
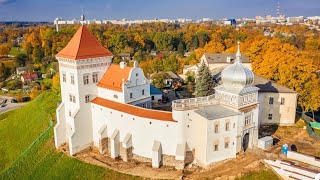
(82, 64)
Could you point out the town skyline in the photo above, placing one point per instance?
(46, 11)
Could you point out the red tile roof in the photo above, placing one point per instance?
(112, 79)
(30, 76)
(134, 110)
(83, 45)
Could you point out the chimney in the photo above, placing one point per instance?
(228, 59)
(123, 64)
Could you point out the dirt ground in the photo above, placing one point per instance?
(252, 160)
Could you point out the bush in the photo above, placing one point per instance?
(14, 84)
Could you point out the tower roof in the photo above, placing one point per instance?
(237, 76)
(83, 45)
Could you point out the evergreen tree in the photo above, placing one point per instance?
(204, 83)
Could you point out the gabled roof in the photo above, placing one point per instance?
(213, 58)
(134, 110)
(83, 45)
(266, 85)
(114, 76)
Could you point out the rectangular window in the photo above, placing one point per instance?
(247, 120)
(70, 113)
(282, 101)
(95, 77)
(226, 145)
(152, 98)
(131, 96)
(142, 92)
(227, 126)
(216, 128)
(87, 98)
(72, 79)
(72, 98)
(85, 79)
(270, 100)
(216, 147)
(270, 116)
(64, 77)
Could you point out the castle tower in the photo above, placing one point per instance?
(82, 64)
(237, 91)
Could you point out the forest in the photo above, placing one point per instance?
(290, 57)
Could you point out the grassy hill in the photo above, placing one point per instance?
(41, 161)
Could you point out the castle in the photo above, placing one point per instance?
(108, 107)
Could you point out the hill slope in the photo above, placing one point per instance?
(40, 161)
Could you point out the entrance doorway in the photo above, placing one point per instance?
(245, 142)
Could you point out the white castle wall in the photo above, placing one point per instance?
(143, 133)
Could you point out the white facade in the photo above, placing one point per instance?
(202, 130)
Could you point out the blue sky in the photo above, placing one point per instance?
(47, 10)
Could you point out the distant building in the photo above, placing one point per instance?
(230, 22)
(215, 61)
(28, 78)
(21, 70)
(153, 53)
(155, 93)
(125, 56)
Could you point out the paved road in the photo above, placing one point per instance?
(6, 104)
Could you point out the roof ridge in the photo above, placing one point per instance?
(81, 34)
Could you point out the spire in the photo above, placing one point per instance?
(238, 55)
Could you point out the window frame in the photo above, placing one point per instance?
(87, 98)
(64, 77)
(271, 100)
(228, 126)
(282, 101)
(216, 128)
(85, 79)
(95, 77)
(72, 79)
(216, 147)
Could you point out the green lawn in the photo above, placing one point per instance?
(20, 128)
(17, 50)
(264, 174)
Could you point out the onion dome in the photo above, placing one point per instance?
(237, 76)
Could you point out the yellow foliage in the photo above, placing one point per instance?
(214, 47)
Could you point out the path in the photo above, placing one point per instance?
(6, 104)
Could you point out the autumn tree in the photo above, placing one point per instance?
(5, 49)
(56, 83)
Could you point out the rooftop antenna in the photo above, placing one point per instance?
(278, 9)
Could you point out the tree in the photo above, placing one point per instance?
(204, 82)
(34, 92)
(158, 80)
(5, 49)
(2, 72)
(214, 47)
(56, 83)
(21, 59)
(37, 54)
